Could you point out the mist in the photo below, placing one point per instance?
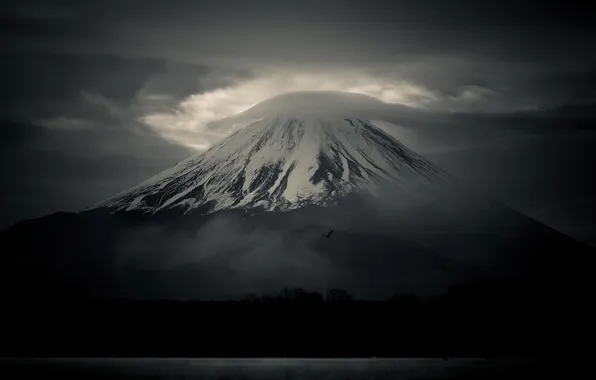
(223, 258)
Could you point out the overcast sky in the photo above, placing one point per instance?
(99, 95)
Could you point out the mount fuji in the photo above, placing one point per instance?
(282, 163)
(247, 215)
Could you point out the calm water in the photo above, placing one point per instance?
(295, 369)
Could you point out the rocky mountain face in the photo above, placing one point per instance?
(283, 163)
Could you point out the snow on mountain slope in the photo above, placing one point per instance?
(281, 163)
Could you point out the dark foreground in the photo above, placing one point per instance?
(464, 323)
(298, 369)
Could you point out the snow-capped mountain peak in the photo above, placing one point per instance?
(281, 163)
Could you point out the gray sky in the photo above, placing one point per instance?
(99, 95)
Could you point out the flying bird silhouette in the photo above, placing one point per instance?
(329, 234)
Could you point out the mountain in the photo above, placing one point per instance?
(281, 163)
(291, 150)
(248, 215)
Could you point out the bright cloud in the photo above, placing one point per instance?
(187, 123)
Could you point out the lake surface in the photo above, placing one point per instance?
(295, 369)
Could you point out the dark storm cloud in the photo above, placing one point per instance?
(44, 171)
(69, 132)
(320, 31)
(42, 84)
(568, 87)
(17, 134)
(77, 75)
(181, 79)
(378, 29)
(44, 19)
(514, 50)
(70, 122)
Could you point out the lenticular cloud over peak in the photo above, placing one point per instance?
(188, 123)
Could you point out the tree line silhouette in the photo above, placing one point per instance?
(300, 295)
(480, 319)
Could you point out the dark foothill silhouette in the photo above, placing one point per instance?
(338, 295)
(447, 325)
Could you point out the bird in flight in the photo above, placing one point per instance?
(329, 234)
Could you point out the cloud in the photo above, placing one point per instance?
(62, 123)
(224, 257)
(64, 165)
(419, 85)
(471, 94)
(15, 134)
(194, 113)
